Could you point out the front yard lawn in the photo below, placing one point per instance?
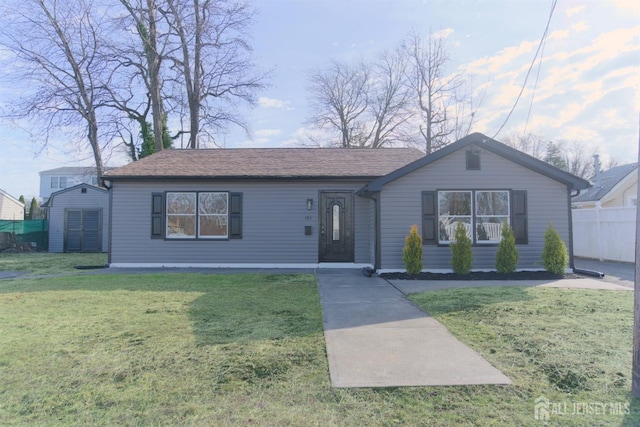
(45, 263)
(227, 350)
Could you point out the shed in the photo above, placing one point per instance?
(78, 219)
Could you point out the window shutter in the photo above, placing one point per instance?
(519, 217)
(235, 215)
(157, 215)
(429, 218)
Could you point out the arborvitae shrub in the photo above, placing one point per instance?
(461, 250)
(507, 255)
(413, 251)
(554, 254)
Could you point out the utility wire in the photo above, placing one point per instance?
(524, 84)
(535, 86)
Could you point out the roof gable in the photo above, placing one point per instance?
(10, 197)
(495, 147)
(607, 183)
(267, 163)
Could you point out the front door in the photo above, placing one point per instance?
(336, 226)
(83, 230)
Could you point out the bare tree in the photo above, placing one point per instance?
(389, 100)
(572, 156)
(56, 45)
(340, 101)
(144, 14)
(366, 105)
(530, 143)
(435, 92)
(211, 62)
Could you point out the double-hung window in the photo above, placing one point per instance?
(481, 212)
(191, 215)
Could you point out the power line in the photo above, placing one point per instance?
(535, 86)
(542, 41)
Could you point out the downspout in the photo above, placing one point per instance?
(378, 247)
(109, 187)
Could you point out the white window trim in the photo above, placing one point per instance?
(456, 216)
(474, 215)
(53, 182)
(225, 215)
(196, 217)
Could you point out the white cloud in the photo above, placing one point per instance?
(574, 10)
(267, 133)
(580, 26)
(265, 102)
(443, 34)
(504, 58)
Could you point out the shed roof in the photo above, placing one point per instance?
(605, 182)
(49, 201)
(267, 163)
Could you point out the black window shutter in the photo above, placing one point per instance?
(235, 215)
(519, 217)
(157, 215)
(429, 218)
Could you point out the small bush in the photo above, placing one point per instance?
(554, 254)
(461, 250)
(507, 255)
(413, 251)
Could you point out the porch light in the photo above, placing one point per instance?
(309, 204)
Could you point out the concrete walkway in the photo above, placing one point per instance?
(377, 338)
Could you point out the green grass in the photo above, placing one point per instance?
(44, 263)
(227, 350)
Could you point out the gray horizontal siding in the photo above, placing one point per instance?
(401, 207)
(92, 199)
(273, 220)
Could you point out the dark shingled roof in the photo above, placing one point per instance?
(605, 183)
(267, 163)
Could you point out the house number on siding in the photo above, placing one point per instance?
(308, 217)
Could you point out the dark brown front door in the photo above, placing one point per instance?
(336, 226)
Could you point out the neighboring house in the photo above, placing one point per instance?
(78, 219)
(53, 180)
(604, 216)
(10, 207)
(616, 187)
(332, 207)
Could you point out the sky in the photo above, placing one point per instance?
(587, 89)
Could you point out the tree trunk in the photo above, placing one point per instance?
(154, 60)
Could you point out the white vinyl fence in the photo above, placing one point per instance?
(605, 233)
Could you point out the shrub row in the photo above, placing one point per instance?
(554, 254)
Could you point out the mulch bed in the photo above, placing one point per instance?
(482, 275)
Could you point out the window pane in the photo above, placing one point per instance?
(336, 221)
(492, 203)
(489, 228)
(447, 227)
(213, 226)
(181, 226)
(181, 203)
(54, 182)
(453, 203)
(63, 182)
(212, 203)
